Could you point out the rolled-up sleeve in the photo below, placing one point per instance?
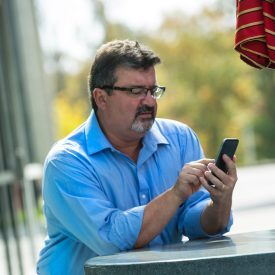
(80, 209)
(122, 227)
(190, 216)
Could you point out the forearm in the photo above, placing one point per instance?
(159, 211)
(157, 214)
(217, 214)
(215, 217)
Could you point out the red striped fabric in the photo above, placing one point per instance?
(255, 32)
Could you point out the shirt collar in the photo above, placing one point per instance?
(96, 140)
(154, 137)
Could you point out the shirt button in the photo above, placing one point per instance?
(143, 196)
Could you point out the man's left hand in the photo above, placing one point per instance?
(217, 213)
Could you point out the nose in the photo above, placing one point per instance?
(149, 99)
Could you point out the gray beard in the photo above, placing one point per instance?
(140, 126)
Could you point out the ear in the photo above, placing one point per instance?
(100, 97)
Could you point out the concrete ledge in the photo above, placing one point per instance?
(246, 253)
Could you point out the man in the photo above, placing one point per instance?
(124, 179)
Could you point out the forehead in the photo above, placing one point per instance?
(135, 76)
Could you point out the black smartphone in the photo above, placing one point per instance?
(228, 147)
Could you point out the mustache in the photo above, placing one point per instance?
(145, 109)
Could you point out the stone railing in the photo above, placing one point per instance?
(246, 253)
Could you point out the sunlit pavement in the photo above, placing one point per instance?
(253, 206)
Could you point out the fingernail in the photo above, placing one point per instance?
(207, 173)
(210, 165)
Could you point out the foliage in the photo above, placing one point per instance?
(208, 87)
(71, 104)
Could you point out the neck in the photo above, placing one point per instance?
(130, 150)
(128, 145)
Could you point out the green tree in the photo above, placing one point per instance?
(208, 86)
(71, 104)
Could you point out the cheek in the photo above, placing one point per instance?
(125, 111)
(130, 108)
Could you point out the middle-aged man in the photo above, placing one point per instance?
(125, 179)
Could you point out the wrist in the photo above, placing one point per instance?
(220, 206)
(177, 196)
(220, 212)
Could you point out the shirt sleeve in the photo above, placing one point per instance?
(191, 148)
(81, 210)
(191, 211)
(190, 216)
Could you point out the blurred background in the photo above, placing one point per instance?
(46, 50)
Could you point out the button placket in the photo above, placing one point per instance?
(143, 187)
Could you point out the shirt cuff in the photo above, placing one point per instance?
(123, 227)
(192, 223)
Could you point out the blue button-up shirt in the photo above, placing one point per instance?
(94, 195)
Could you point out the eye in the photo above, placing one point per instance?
(137, 91)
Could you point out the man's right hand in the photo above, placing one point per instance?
(159, 211)
(188, 181)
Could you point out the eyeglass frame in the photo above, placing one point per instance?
(144, 93)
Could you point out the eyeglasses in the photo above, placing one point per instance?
(139, 92)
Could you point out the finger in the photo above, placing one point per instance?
(189, 178)
(195, 168)
(216, 171)
(192, 178)
(197, 165)
(193, 182)
(198, 172)
(210, 188)
(206, 161)
(214, 180)
(196, 183)
(231, 166)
